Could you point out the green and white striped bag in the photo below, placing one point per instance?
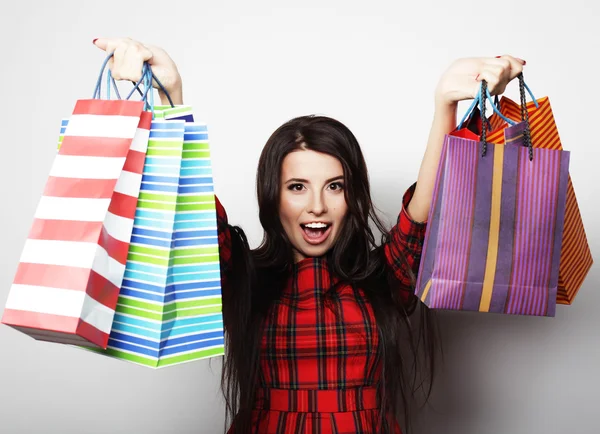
(169, 307)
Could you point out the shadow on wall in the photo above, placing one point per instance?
(490, 367)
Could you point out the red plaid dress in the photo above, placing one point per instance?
(318, 372)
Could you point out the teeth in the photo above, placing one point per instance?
(316, 225)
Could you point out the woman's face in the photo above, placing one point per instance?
(312, 203)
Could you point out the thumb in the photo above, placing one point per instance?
(516, 65)
(101, 43)
(108, 44)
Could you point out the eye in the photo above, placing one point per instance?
(295, 187)
(336, 186)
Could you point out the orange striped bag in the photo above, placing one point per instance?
(576, 258)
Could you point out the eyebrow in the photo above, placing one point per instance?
(305, 181)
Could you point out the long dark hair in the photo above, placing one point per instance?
(406, 350)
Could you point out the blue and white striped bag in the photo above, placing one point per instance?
(169, 309)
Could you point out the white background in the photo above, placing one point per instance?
(247, 68)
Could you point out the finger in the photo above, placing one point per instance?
(135, 56)
(128, 58)
(493, 75)
(128, 63)
(143, 51)
(154, 51)
(101, 43)
(503, 63)
(109, 44)
(516, 65)
(117, 62)
(512, 58)
(495, 72)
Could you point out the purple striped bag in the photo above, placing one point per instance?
(495, 228)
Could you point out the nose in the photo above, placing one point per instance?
(317, 205)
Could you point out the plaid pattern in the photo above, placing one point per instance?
(406, 244)
(309, 348)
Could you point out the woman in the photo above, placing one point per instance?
(317, 315)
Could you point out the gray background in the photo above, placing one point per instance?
(248, 67)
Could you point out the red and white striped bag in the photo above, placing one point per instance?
(72, 266)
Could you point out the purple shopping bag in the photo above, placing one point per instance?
(495, 227)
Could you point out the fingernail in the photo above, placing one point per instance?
(477, 78)
(498, 57)
(523, 62)
(94, 41)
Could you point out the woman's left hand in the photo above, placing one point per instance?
(462, 80)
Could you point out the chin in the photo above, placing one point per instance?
(316, 252)
(309, 251)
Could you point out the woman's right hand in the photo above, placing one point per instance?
(128, 60)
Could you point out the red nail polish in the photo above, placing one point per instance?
(476, 78)
(94, 41)
(498, 57)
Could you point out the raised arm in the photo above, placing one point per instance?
(460, 82)
(126, 64)
(128, 61)
(405, 243)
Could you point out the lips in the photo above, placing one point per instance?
(315, 234)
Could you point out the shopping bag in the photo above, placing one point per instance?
(169, 309)
(72, 265)
(576, 258)
(495, 226)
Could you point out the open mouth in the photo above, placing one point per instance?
(316, 233)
